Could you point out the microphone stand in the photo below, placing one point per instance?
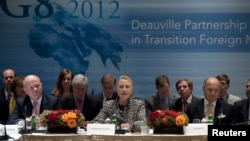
(25, 130)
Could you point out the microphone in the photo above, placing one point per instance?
(243, 123)
(5, 136)
(25, 130)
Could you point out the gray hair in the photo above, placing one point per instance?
(80, 79)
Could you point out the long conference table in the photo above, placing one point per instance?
(125, 137)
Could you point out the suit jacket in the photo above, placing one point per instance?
(91, 106)
(24, 107)
(241, 109)
(153, 102)
(232, 98)
(134, 113)
(178, 103)
(100, 97)
(4, 107)
(196, 111)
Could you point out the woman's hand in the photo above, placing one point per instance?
(125, 126)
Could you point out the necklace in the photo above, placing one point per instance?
(120, 108)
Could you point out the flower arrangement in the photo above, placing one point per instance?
(167, 118)
(66, 118)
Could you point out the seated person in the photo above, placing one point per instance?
(130, 112)
(241, 108)
(162, 99)
(211, 105)
(185, 88)
(34, 102)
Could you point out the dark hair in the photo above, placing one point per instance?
(107, 78)
(57, 91)
(190, 83)
(16, 81)
(225, 77)
(161, 80)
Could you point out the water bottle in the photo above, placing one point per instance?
(210, 119)
(114, 120)
(107, 121)
(204, 119)
(33, 122)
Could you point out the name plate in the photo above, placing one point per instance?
(196, 129)
(100, 129)
(11, 129)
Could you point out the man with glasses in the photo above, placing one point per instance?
(5, 94)
(34, 102)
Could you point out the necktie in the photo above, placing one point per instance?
(12, 103)
(209, 109)
(35, 110)
(185, 106)
(163, 103)
(79, 104)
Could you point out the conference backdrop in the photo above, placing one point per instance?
(139, 38)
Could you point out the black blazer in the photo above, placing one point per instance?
(100, 97)
(241, 109)
(153, 102)
(178, 103)
(196, 111)
(91, 106)
(24, 107)
(4, 107)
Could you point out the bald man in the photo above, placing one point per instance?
(220, 110)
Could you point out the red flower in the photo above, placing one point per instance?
(153, 116)
(52, 116)
(167, 117)
(70, 118)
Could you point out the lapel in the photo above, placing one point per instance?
(44, 103)
(218, 109)
(27, 107)
(245, 109)
(157, 102)
(200, 107)
(86, 105)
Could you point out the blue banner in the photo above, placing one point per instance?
(193, 39)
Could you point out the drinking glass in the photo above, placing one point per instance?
(196, 121)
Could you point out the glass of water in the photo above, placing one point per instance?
(196, 121)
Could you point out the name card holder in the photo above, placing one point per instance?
(100, 129)
(11, 129)
(196, 129)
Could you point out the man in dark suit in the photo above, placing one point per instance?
(108, 85)
(35, 101)
(80, 100)
(211, 105)
(5, 94)
(185, 88)
(241, 108)
(162, 99)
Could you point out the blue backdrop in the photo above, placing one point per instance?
(193, 39)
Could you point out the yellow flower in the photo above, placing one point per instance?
(70, 118)
(167, 118)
